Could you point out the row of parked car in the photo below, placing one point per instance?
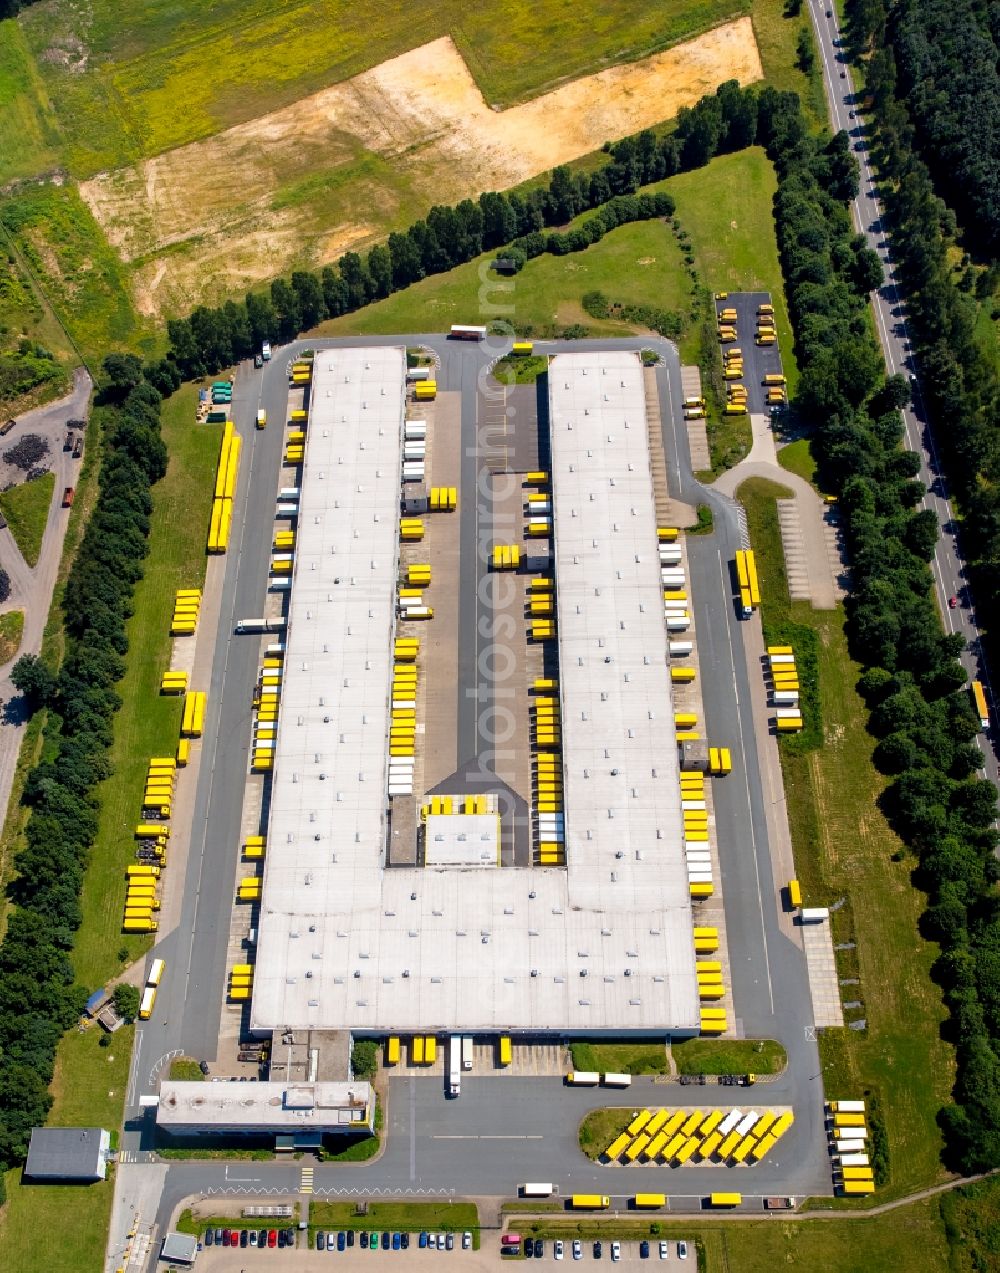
(391, 1241)
(334, 1241)
(260, 1238)
(534, 1249)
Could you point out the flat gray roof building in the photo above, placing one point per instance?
(602, 945)
(189, 1108)
(181, 1248)
(68, 1153)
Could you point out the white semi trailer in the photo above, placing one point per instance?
(455, 1065)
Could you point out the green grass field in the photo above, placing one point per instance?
(114, 88)
(26, 509)
(620, 1058)
(148, 723)
(29, 129)
(728, 1056)
(83, 279)
(796, 457)
(64, 1228)
(637, 264)
(11, 630)
(25, 315)
(972, 1223)
(451, 1217)
(690, 1056)
(845, 851)
(727, 210)
(186, 1070)
(600, 1127)
(910, 1238)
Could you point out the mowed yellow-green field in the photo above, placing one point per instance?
(175, 71)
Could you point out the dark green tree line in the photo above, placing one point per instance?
(935, 93)
(39, 997)
(214, 338)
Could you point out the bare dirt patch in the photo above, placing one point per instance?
(342, 167)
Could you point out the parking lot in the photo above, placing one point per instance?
(487, 1260)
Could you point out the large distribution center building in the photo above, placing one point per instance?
(602, 944)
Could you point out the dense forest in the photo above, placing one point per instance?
(932, 83)
(945, 54)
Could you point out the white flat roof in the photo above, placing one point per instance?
(265, 1105)
(326, 835)
(466, 839)
(624, 829)
(342, 941)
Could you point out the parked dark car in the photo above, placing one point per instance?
(209, 1238)
(364, 1239)
(643, 1250)
(244, 1237)
(386, 1241)
(539, 1248)
(405, 1240)
(350, 1237)
(320, 1240)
